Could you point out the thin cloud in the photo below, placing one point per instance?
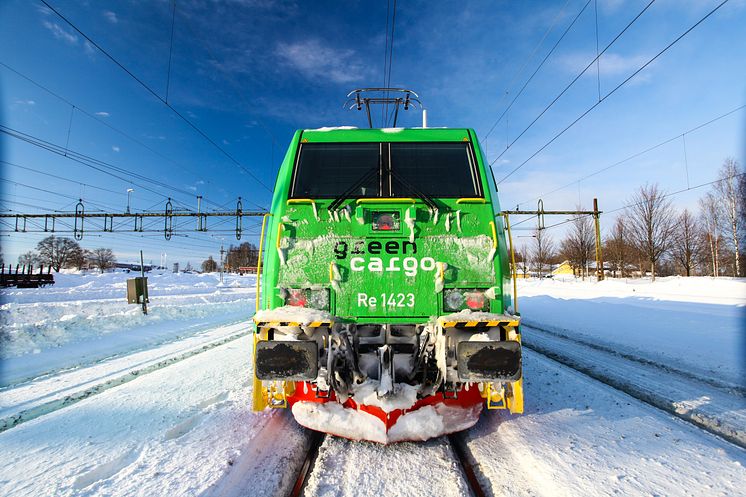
(316, 61)
(25, 102)
(111, 16)
(102, 114)
(60, 33)
(115, 148)
(611, 64)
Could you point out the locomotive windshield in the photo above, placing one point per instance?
(355, 170)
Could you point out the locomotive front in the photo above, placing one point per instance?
(384, 310)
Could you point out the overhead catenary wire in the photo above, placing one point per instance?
(156, 95)
(387, 75)
(579, 75)
(386, 56)
(231, 78)
(88, 185)
(620, 85)
(678, 192)
(627, 206)
(640, 153)
(518, 73)
(78, 108)
(50, 192)
(541, 64)
(99, 165)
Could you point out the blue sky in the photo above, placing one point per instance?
(248, 73)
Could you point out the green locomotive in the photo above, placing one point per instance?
(385, 309)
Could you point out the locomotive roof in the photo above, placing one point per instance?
(349, 134)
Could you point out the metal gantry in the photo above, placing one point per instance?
(540, 213)
(78, 226)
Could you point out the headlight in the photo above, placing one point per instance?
(454, 300)
(458, 299)
(307, 297)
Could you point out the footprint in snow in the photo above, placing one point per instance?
(189, 423)
(106, 470)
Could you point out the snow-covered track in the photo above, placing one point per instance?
(459, 450)
(716, 409)
(316, 438)
(461, 460)
(348, 468)
(65, 397)
(698, 376)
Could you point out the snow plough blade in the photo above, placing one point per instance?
(313, 367)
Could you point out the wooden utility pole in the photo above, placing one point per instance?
(145, 286)
(599, 254)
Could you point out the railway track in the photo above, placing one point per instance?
(63, 398)
(667, 389)
(623, 375)
(456, 445)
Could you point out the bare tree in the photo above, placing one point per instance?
(523, 254)
(102, 258)
(29, 258)
(711, 216)
(686, 242)
(618, 251)
(652, 224)
(56, 252)
(731, 201)
(543, 250)
(78, 258)
(209, 265)
(580, 244)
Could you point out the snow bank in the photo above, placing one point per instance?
(85, 317)
(403, 397)
(422, 424)
(302, 315)
(469, 315)
(700, 290)
(696, 324)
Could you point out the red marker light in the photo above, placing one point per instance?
(296, 298)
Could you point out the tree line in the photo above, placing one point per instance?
(59, 252)
(244, 255)
(652, 236)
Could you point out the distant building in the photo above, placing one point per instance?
(176, 267)
(133, 267)
(564, 268)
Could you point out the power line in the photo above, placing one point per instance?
(157, 96)
(50, 192)
(643, 152)
(541, 64)
(64, 179)
(390, 59)
(575, 79)
(650, 61)
(681, 191)
(101, 121)
(386, 56)
(171, 47)
(96, 164)
(525, 62)
(236, 83)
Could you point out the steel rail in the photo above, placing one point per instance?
(316, 439)
(466, 466)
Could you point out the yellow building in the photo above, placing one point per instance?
(562, 269)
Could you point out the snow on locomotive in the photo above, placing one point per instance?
(384, 304)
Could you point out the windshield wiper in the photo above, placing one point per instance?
(417, 193)
(346, 194)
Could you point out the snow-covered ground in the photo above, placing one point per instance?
(171, 415)
(84, 318)
(695, 324)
